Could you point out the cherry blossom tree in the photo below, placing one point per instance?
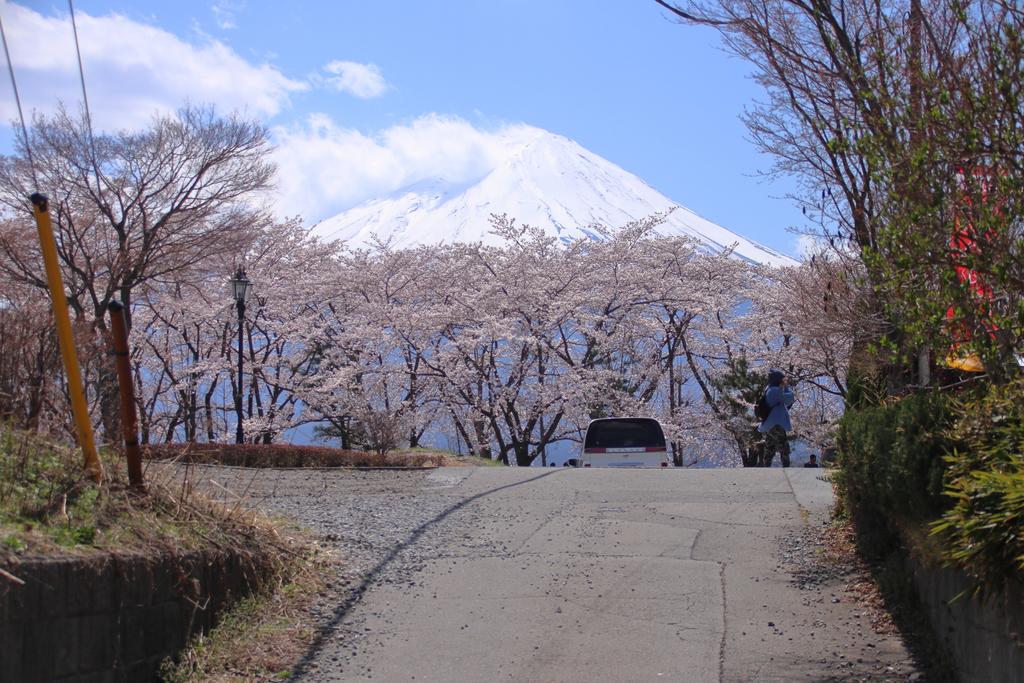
(131, 210)
(515, 347)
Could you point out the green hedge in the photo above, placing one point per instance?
(954, 463)
(891, 460)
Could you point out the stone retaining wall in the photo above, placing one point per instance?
(985, 638)
(111, 618)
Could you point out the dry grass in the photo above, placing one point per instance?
(48, 506)
(861, 587)
(263, 636)
(292, 455)
(886, 593)
(448, 459)
(286, 455)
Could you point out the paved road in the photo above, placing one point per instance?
(583, 575)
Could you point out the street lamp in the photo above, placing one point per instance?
(240, 286)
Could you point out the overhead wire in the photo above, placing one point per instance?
(17, 101)
(85, 99)
(81, 79)
(21, 112)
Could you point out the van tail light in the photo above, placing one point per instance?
(593, 450)
(664, 464)
(654, 449)
(586, 464)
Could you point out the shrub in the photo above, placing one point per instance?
(35, 473)
(983, 531)
(29, 362)
(891, 462)
(285, 455)
(48, 506)
(907, 462)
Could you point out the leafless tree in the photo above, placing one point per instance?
(132, 209)
(881, 109)
(29, 358)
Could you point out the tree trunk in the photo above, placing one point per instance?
(482, 447)
(522, 451)
(172, 425)
(110, 400)
(208, 411)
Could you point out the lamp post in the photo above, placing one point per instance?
(240, 288)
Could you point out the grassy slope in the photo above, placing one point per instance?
(48, 507)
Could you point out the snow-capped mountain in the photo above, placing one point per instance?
(545, 180)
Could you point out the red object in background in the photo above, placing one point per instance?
(963, 242)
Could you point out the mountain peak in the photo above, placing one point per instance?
(545, 180)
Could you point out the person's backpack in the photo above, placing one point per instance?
(761, 408)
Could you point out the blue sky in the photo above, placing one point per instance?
(362, 96)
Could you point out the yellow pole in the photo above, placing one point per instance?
(79, 408)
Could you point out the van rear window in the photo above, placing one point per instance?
(631, 432)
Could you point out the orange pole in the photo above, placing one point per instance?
(79, 408)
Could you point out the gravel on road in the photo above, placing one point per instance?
(386, 526)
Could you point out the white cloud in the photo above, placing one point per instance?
(132, 70)
(808, 245)
(224, 12)
(324, 168)
(362, 80)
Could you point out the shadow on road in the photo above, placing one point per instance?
(356, 594)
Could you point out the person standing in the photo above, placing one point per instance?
(779, 398)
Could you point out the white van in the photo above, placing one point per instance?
(625, 442)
